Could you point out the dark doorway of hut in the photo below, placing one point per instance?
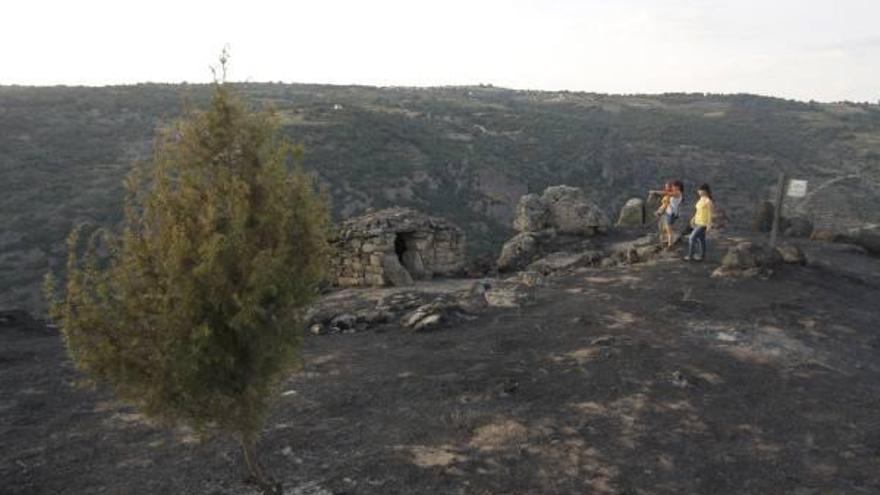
(409, 256)
(400, 246)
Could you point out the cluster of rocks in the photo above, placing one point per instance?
(748, 259)
(866, 237)
(560, 213)
(395, 247)
(422, 311)
(797, 227)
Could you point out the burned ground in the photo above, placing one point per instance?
(646, 379)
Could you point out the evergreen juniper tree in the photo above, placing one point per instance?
(193, 309)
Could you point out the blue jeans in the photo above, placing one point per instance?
(698, 236)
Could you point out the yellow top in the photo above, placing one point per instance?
(665, 201)
(703, 217)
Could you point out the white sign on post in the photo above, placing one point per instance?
(797, 188)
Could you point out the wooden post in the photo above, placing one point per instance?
(777, 210)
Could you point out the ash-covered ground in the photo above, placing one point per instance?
(652, 378)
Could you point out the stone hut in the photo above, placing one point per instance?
(394, 247)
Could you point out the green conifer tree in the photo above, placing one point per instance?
(193, 310)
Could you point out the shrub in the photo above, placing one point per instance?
(192, 309)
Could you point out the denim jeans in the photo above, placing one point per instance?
(698, 236)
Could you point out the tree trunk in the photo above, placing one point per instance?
(249, 448)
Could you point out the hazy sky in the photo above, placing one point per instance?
(806, 49)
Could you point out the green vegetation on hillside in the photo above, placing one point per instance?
(463, 152)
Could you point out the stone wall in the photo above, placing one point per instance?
(395, 247)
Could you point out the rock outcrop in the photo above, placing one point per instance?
(564, 209)
(867, 237)
(561, 211)
(532, 214)
(570, 212)
(395, 247)
(518, 251)
(748, 259)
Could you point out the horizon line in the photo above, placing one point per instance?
(432, 87)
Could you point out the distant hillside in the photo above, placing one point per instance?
(467, 153)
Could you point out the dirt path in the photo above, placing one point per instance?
(650, 379)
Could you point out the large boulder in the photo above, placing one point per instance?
(632, 214)
(799, 227)
(412, 261)
(571, 212)
(531, 214)
(518, 252)
(652, 204)
(395, 273)
(867, 237)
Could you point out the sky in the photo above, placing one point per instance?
(826, 50)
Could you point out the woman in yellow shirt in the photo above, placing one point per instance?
(701, 222)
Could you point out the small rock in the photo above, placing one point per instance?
(645, 253)
(679, 380)
(603, 340)
(609, 262)
(509, 295)
(531, 278)
(792, 254)
(345, 321)
(375, 317)
(427, 322)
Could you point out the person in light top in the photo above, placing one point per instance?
(670, 209)
(702, 224)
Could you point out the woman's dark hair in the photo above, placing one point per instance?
(680, 186)
(705, 187)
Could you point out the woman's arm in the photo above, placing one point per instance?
(710, 209)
